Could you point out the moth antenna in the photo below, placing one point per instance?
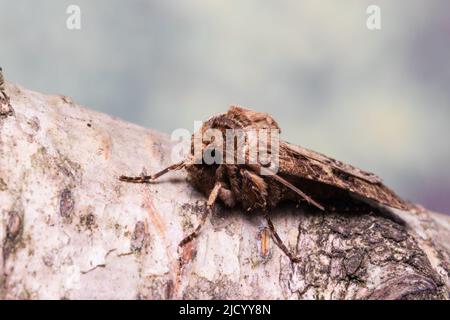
(298, 191)
(174, 167)
(139, 179)
(153, 177)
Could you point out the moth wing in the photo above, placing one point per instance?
(314, 166)
(335, 164)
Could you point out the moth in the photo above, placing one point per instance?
(2, 84)
(302, 175)
(5, 106)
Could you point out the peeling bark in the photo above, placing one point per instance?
(70, 229)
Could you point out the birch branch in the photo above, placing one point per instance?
(70, 229)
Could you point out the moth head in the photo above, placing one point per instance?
(232, 135)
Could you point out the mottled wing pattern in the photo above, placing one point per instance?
(335, 164)
(314, 166)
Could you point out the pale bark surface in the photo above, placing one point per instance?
(70, 229)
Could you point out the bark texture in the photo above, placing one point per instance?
(70, 229)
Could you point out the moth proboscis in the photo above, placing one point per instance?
(303, 175)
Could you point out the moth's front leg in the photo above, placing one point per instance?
(225, 194)
(227, 197)
(211, 200)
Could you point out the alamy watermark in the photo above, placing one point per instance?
(373, 21)
(73, 21)
(259, 148)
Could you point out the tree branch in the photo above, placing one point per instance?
(70, 229)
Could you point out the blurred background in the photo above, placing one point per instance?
(378, 99)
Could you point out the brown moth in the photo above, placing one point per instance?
(302, 175)
(5, 106)
(2, 85)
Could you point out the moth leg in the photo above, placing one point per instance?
(225, 194)
(150, 178)
(227, 197)
(308, 199)
(279, 242)
(211, 199)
